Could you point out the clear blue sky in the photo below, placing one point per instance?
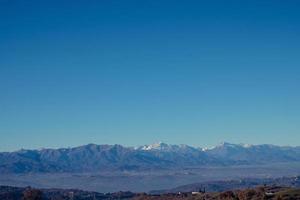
(137, 72)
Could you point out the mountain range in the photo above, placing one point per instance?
(96, 158)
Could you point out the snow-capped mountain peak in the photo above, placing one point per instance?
(161, 146)
(223, 145)
(155, 146)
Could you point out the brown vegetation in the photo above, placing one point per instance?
(32, 194)
(259, 193)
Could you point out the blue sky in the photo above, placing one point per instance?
(137, 72)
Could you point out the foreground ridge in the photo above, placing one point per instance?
(262, 192)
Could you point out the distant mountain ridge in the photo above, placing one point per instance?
(94, 158)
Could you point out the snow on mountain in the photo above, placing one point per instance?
(254, 153)
(160, 146)
(156, 146)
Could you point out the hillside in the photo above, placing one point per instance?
(220, 186)
(258, 193)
